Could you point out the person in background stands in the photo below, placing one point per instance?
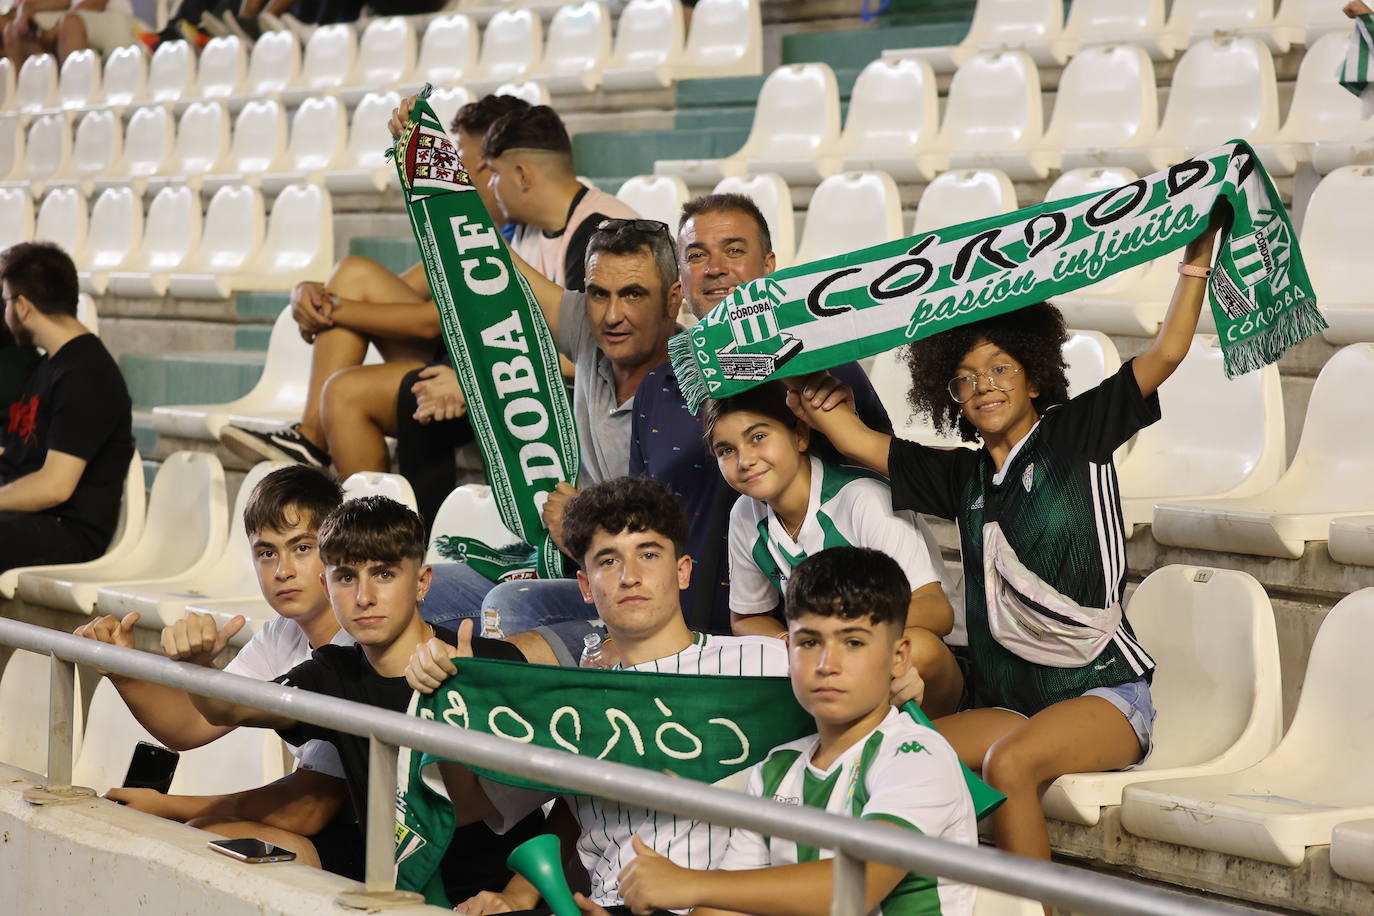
(67, 440)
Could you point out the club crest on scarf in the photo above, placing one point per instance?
(758, 348)
(432, 161)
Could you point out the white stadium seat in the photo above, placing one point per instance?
(185, 526)
(149, 139)
(1107, 100)
(126, 77)
(1034, 26)
(386, 58)
(962, 197)
(445, 103)
(24, 697)
(470, 510)
(1115, 22)
(78, 82)
(1217, 438)
(1132, 302)
(48, 150)
(300, 240)
(794, 134)
(243, 759)
(128, 526)
(162, 601)
(1216, 689)
(576, 48)
(1328, 477)
(223, 68)
(231, 238)
(893, 122)
(363, 165)
(994, 118)
(1315, 18)
(1321, 110)
(796, 128)
(279, 392)
(1254, 18)
(331, 56)
(11, 148)
(850, 211)
(657, 197)
(774, 200)
(172, 73)
(375, 483)
(114, 235)
(62, 221)
(319, 138)
(257, 147)
(1337, 214)
(1272, 811)
(6, 85)
(35, 89)
(1352, 850)
(725, 39)
(16, 217)
(97, 148)
(529, 90)
(202, 145)
(648, 46)
(1223, 89)
(512, 47)
(1351, 540)
(273, 67)
(171, 234)
(86, 314)
(448, 51)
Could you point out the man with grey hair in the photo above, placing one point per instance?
(613, 333)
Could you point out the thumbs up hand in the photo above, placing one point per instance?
(197, 639)
(432, 661)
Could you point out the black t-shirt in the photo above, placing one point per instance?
(476, 858)
(75, 401)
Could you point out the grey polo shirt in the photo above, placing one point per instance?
(603, 423)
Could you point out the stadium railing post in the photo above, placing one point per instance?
(847, 889)
(379, 871)
(57, 786)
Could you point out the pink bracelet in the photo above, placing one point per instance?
(1191, 270)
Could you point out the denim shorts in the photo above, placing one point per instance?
(1133, 699)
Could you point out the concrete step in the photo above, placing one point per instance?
(190, 378)
(615, 153)
(395, 253)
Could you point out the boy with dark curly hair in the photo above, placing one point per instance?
(1057, 682)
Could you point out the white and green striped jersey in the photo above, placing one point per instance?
(607, 826)
(849, 507)
(903, 773)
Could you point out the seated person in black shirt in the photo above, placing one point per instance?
(16, 365)
(66, 442)
(373, 552)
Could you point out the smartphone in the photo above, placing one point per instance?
(152, 767)
(252, 851)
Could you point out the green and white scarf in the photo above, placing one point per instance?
(1357, 70)
(818, 315)
(500, 345)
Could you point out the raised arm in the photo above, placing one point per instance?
(827, 405)
(199, 644)
(1170, 345)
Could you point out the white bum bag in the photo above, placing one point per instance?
(1032, 620)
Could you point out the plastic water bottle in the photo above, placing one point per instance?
(592, 656)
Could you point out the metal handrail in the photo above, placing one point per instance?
(853, 841)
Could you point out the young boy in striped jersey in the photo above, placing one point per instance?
(629, 533)
(846, 608)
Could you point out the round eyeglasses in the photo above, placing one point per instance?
(1002, 378)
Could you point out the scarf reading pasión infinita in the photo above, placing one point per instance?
(837, 310)
(500, 345)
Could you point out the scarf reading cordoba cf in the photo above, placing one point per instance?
(500, 345)
(837, 310)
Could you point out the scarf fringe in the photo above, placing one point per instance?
(1297, 323)
(690, 380)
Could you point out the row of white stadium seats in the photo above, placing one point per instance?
(1106, 112)
(233, 245)
(577, 56)
(1039, 26)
